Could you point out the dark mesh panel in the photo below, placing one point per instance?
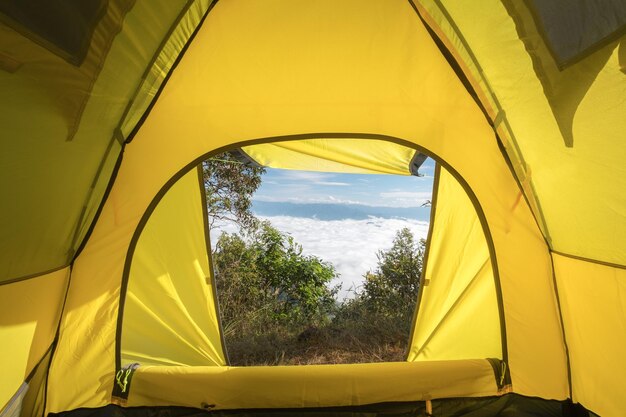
(63, 26)
(573, 28)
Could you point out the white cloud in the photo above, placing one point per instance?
(331, 183)
(292, 175)
(406, 194)
(406, 198)
(307, 200)
(350, 245)
(383, 201)
(315, 178)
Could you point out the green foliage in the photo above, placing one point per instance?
(229, 184)
(265, 281)
(381, 313)
(300, 282)
(391, 290)
(278, 307)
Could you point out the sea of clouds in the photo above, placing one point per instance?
(350, 245)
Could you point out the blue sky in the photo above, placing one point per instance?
(368, 189)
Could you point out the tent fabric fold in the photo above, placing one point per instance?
(169, 316)
(458, 313)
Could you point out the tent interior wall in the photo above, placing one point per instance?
(109, 107)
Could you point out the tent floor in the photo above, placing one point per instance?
(510, 405)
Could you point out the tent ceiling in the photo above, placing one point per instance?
(563, 129)
(59, 140)
(70, 114)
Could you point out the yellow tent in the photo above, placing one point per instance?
(109, 106)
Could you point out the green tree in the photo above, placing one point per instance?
(265, 280)
(241, 298)
(301, 282)
(392, 288)
(382, 311)
(230, 182)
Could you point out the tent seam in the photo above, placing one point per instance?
(594, 261)
(35, 275)
(55, 342)
(558, 304)
(431, 223)
(466, 80)
(452, 308)
(165, 81)
(207, 238)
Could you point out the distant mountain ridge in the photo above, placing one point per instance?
(326, 211)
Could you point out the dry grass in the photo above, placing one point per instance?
(314, 346)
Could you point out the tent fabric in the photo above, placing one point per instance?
(59, 141)
(29, 317)
(29, 401)
(457, 313)
(162, 62)
(357, 156)
(169, 316)
(583, 101)
(594, 315)
(529, 126)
